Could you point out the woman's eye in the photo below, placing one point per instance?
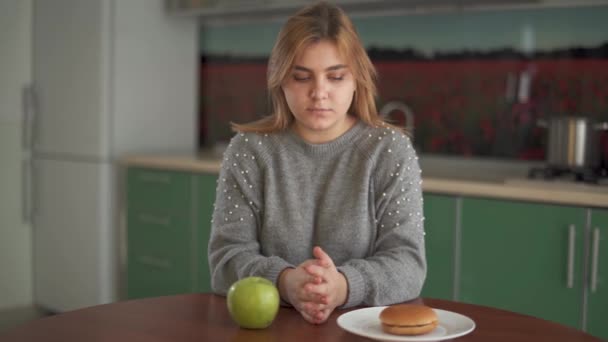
(299, 78)
(336, 78)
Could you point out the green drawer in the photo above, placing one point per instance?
(157, 273)
(168, 191)
(158, 229)
(160, 254)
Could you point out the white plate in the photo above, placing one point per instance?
(366, 322)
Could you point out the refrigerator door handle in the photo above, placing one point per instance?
(26, 191)
(33, 196)
(28, 99)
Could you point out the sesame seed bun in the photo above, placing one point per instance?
(408, 319)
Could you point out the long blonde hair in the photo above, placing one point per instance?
(316, 22)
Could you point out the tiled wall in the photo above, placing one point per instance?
(477, 82)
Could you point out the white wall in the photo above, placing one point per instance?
(15, 236)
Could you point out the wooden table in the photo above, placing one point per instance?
(204, 317)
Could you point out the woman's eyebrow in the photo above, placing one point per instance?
(331, 68)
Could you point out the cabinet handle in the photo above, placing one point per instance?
(154, 261)
(151, 219)
(155, 178)
(571, 246)
(595, 258)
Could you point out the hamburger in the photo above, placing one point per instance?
(408, 319)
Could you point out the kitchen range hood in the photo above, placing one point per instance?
(226, 11)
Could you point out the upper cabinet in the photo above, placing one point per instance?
(247, 10)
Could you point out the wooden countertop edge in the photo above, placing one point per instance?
(514, 192)
(189, 164)
(437, 185)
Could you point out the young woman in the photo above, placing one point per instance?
(321, 197)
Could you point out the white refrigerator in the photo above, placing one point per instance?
(110, 77)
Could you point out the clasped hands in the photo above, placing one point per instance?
(314, 288)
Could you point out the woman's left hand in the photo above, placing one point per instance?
(332, 289)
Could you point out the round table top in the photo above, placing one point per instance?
(204, 317)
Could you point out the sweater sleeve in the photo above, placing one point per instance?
(396, 269)
(234, 249)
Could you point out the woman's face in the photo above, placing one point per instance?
(319, 90)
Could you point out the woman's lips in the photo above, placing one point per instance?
(318, 110)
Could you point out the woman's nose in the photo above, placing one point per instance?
(319, 90)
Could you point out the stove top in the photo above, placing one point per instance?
(559, 185)
(584, 175)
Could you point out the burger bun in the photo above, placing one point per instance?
(408, 319)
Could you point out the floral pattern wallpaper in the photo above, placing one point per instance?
(478, 83)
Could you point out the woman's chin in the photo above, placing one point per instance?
(316, 125)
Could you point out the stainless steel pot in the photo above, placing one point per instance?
(572, 141)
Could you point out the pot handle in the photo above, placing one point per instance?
(402, 107)
(601, 126)
(542, 123)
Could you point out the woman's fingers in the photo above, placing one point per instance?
(315, 287)
(308, 317)
(324, 259)
(307, 296)
(313, 308)
(321, 290)
(315, 271)
(314, 316)
(322, 316)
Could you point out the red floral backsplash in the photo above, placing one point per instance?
(461, 107)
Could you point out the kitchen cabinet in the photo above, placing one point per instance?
(207, 184)
(169, 221)
(167, 232)
(523, 257)
(440, 220)
(597, 294)
(531, 258)
(159, 231)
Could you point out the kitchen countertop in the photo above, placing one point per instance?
(504, 182)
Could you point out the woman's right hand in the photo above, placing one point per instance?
(292, 288)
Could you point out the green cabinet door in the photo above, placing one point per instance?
(206, 194)
(597, 298)
(439, 223)
(515, 256)
(159, 233)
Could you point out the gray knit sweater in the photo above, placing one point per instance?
(358, 197)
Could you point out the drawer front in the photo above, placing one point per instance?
(160, 260)
(157, 273)
(166, 191)
(147, 227)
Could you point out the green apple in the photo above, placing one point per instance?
(253, 302)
